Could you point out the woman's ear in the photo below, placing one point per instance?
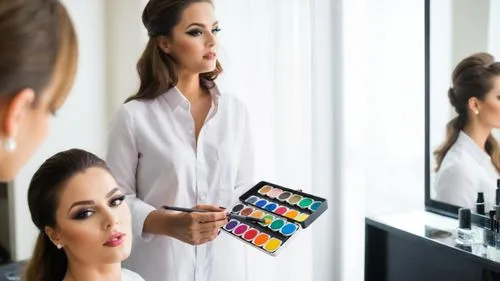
(15, 111)
(163, 44)
(54, 236)
(474, 105)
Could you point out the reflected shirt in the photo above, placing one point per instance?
(466, 170)
(156, 160)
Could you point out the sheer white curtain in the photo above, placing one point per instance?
(266, 54)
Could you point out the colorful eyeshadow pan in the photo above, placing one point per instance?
(265, 189)
(271, 206)
(257, 214)
(285, 195)
(247, 211)
(231, 225)
(272, 245)
(291, 214)
(281, 210)
(301, 217)
(294, 199)
(238, 208)
(277, 224)
(314, 206)
(240, 229)
(250, 234)
(261, 203)
(261, 239)
(267, 217)
(252, 199)
(305, 202)
(289, 229)
(274, 193)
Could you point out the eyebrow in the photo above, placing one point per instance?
(201, 24)
(92, 202)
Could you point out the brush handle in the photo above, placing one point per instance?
(230, 215)
(186, 210)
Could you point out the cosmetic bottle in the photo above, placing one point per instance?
(497, 194)
(480, 203)
(465, 235)
(497, 233)
(489, 236)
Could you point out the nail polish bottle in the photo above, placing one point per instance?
(489, 236)
(480, 203)
(465, 235)
(497, 233)
(497, 194)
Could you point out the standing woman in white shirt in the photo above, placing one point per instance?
(468, 161)
(179, 141)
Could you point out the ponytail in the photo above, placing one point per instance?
(453, 129)
(47, 263)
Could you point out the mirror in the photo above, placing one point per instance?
(454, 30)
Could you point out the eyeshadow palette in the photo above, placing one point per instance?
(285, 210)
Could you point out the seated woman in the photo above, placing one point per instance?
(84, 223)
(468, 161)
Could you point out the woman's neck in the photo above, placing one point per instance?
(189, 86)
(479, 134)
(78, 271)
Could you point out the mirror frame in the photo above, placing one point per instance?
(430, 204)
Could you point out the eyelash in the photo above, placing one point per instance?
(84, 214)
(197, 32)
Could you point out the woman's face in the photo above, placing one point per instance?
(28, 124)
(194, 39)
(93, 221)
(489, 108)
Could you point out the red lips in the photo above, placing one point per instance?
(115, 240)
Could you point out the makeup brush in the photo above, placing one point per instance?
(230, 215)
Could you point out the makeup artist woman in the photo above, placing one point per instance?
(38, 56)
(179, 141)
(468, 161)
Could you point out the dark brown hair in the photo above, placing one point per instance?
(472, 77)
(157, 70)
(38, 48)
(47, 262)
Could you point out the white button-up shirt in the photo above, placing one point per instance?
(466, 170)
(154, 156)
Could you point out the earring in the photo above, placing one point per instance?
(10, 145)
(476, 112)
(58, 246)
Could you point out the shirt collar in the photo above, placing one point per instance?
(175, 98)
(473, 149)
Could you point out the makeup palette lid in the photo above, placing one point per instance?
(291, 204)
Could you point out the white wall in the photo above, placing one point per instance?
(126, 39)
(80, 121)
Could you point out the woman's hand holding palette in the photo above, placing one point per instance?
(285, 211)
